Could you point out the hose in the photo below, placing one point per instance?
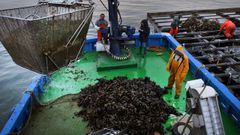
(129, 54)
(190, 109)
(176, 126)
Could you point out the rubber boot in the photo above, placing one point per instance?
(144, 52)
(106, 41)
(140, 50)
(176, 97)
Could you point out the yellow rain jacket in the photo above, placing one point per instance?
(178, 68)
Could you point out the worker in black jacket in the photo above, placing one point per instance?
(143, 37)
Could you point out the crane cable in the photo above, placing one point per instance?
(104, 5)
(119, 14)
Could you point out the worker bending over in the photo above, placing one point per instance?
(178, 67)
(102, 28)
(175, 25)
(143, 37)
(229, 28)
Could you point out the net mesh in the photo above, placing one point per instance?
(36, 36)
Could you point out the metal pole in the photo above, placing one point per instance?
(233, 86)
(114, 27)
(198, 33)
(212, 42)
(222, 64)
(226, 74)
(189, 118)
(217, 56)
(208, 49)
(196, 38)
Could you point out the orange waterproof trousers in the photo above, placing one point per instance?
(99, 35)
(172, 78)
(229, 32)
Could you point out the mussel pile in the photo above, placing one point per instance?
(196, 23)
(134, 106)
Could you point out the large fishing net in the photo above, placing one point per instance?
(45, 37)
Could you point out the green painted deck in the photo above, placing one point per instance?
(105, 62)
(60, 119)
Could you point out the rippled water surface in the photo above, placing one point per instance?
(15, 79)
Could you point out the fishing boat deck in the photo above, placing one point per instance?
(60, 118)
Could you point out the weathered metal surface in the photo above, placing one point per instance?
(36, 36)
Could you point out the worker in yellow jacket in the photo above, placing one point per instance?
(178, 67)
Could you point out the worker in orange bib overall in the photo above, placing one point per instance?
(102, 28)
(229, 28)
(178, 67)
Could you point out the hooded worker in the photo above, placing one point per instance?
(175, 25)
(102, 28)
(178, 67)
(229, 28)
(143, 37)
